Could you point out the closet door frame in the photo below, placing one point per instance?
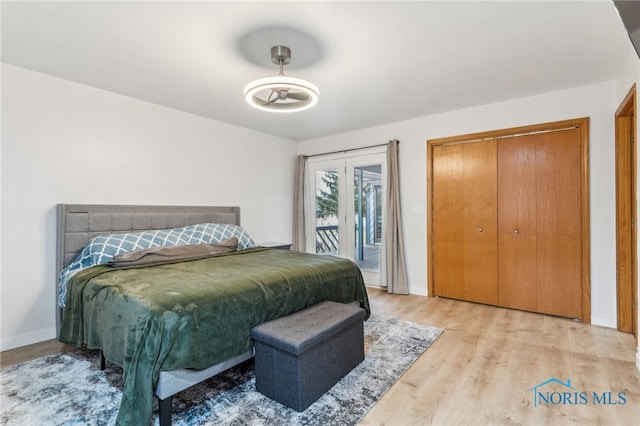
(626, 208)
(580, 123)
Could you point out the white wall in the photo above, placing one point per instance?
(596, 101)
(67, 143)
(630, 74)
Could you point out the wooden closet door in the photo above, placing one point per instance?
(558, 222)
(448, 215)
(480, 222)
(464, 223)
(539, 233)
(517, 256)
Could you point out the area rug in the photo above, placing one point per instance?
(70, 389)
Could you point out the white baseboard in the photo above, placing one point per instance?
(604, 322)
(27, 339)
(419, 291)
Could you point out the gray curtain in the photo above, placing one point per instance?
(393, 272)
(299, 241)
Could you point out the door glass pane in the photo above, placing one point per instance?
(326, 211)
(368, 216)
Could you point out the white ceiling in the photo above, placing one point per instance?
(374, 62)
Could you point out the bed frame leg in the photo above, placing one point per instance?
(103, 361)
(164, 408)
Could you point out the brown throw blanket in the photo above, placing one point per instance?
(185, 252)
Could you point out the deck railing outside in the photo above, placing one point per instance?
(327, 239)
(327, 243)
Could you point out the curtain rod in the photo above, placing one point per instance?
(347, 150)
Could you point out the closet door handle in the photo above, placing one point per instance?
(480, 230)
(516, 231)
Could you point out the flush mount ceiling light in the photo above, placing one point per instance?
(281, 93)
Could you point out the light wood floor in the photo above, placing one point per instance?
(480, 370)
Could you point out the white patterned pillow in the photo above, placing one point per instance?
(101, 249)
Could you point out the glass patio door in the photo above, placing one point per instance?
(325, 218)
(346, 214)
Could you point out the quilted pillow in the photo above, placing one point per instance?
(103, 248)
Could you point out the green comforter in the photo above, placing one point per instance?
(194, 314)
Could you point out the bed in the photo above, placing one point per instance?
(172, 324)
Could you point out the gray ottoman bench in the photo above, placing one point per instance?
(301, 356)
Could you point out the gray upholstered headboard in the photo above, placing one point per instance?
(78, 223)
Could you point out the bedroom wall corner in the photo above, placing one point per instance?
(64, 142)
